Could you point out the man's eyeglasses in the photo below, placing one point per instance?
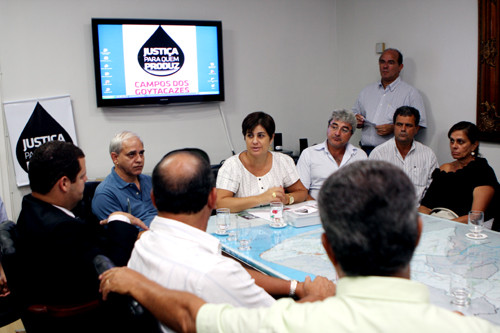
(344, 129)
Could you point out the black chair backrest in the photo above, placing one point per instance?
(10, 308)
(495, 207)
(84, 207)
(8, 254)
(44, 318)
(8, 237)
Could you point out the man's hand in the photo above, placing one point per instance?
(316, 290)
(384, 129)
(126, 218)
(4, 288)
(118, 280)
(274, 194)
(176, 309)
(361, 120)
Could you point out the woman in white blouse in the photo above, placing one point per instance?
(256, 176)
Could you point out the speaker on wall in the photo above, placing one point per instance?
(278, 142)
(303, 144)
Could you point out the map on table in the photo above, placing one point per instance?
(294, 253)
(444, 245)
(303, 252)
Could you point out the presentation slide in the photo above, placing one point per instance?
(152, 60)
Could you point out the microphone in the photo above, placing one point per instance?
(102, 264)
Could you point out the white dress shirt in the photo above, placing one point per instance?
(362, 304)
(316, 164)
(418, 164)
(378, 105)
(181, 257)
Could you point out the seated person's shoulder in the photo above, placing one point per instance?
(361, 153)
(231, 164)
(447, 167)
(282, 158)
(377, 153)
(146, 178)
(105, 183)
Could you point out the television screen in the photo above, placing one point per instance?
(141, 62)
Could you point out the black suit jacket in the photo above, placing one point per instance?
(56, 253)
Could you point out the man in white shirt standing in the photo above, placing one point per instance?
(417, 160)
(377, 102)
(318, 162)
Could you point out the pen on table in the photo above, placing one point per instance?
(128, 206)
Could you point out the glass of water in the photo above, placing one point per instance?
(460, 287)
(276, 214)
(232, 233)
(223, 221)
(244, 235)
(476, 221)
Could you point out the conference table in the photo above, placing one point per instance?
(296, 252)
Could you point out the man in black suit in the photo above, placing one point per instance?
(55, 248)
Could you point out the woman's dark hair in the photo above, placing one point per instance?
(258, 118)
(469, 129)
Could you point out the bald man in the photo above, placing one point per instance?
(177, 253)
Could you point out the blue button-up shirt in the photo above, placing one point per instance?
(115, 194)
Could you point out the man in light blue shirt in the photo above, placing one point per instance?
(376, 103)
(318, 162)
(125, 189)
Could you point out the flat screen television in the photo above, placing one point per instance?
(151, 62)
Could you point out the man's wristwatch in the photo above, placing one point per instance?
(291, 199)
(293, 287)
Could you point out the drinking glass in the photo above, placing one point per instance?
(460, 287)
(276, 214)
(222, 219)
(476, 221)
(244, 235)
(233, 229)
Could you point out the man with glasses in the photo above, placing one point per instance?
(318, 162)
(125, 189)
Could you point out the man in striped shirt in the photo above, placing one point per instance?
(417, 160)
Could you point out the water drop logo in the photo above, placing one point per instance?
(40, 128)
(160, 55)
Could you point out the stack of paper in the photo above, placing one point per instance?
(303, 216)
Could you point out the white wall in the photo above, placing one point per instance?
(295, 59)
(438, 39)
(278, 58)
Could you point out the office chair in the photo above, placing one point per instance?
(495, 204)
(120, 314)
(84, 207)
(10, 309)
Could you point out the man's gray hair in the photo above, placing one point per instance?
(115, 146)
(369, 216)
(346, 116)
